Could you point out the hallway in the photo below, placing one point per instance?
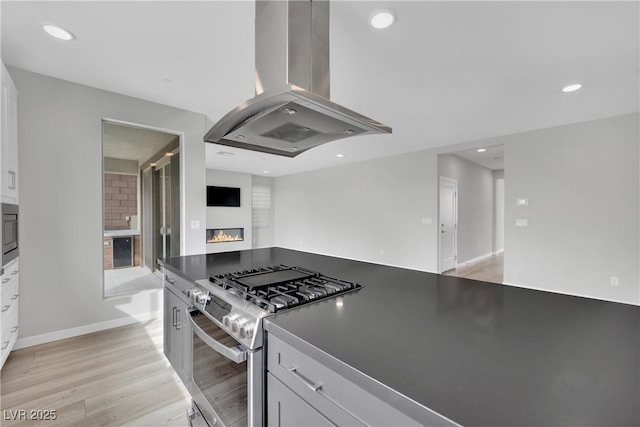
(487, 270)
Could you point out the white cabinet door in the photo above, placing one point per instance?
(9, 136)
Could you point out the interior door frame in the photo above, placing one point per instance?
(443, 179)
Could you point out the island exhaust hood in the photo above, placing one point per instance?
(291, 111)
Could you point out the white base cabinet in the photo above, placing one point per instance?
(10, 296)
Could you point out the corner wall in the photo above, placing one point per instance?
(61, 236)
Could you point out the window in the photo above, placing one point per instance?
(261, 206)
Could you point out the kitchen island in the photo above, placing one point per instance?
(444, 348)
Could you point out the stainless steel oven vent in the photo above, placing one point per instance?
(292, 86)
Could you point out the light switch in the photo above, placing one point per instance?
(427, 220)
(522, 223)
(523, 202)
(195, 225)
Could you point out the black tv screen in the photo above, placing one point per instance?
(223, 196)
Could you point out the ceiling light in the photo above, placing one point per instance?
(224, 153)
(289, 111)
(265, 171)
(153, 164)
(382, 20)
(481, 150)
(57, 32)
(340, 155)
(168, 154)
(572, 88)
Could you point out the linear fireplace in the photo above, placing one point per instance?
(219, 235)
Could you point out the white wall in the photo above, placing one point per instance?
(475, 206)
(498, 213)
(60, 129)
(230, 217)
(369, 211)
(583, 186)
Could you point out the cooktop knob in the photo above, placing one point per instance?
(235, 325)
(246, 330)
(229, 318)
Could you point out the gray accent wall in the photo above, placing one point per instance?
(475, 205)
(61, 240)
(582, 182)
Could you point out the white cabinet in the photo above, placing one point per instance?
(10, 298)
(177, 329)
(9, 140)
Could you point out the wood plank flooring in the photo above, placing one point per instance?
(109, 378)
(487, 270)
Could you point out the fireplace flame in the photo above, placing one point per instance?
(223, 237)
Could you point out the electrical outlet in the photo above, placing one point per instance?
(523, 202)
(195, 225)
(522, 222)
(614, 281)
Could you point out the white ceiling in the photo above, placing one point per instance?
(132, 143)
(444, 73)
(492, 158)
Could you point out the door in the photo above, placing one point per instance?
(448, 223)
(166, 208)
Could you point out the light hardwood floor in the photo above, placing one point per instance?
(487, 270)
(110, 378)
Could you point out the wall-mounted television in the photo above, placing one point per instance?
(223, 196)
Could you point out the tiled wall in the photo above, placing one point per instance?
(120, 200)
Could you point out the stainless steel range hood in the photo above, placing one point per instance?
(291, 112)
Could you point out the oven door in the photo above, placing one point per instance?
(223, 376)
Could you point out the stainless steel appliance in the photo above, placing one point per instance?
(228, 360)
(9, 232)
(292, 111)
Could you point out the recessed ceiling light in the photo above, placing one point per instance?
(57, 32)
(382, 20)
(153, 164)
(289, 111)
(340, 155)
(168, 154)
(572, 88)
(481, 150)
(265, 171)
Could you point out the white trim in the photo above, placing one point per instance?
(86, 329)
(468, 263)
(573, 294)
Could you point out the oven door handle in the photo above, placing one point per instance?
(237, 354)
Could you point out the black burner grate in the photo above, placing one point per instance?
(280, 287)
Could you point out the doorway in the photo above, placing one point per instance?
(448, 220)
(141, 187)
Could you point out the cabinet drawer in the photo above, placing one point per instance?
(335, 397)
(177, 285)
(11, 273)
(10, 297)
(9, 332)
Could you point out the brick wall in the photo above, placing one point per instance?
(120, 200)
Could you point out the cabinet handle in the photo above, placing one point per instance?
(15, 296)
(5, 280)
(179, 321)
(305, 381)
(175, 322)
(13, 273)
(4, 345)
(15, 328)
(5, 308)
(12, 175)
(168, 279)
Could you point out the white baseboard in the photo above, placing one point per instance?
(86, 329)
(474, 260)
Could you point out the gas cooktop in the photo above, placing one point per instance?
(280, 287)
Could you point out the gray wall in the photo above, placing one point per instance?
(60, 129)
(583, 186)
(230, 217)
(475, 206)
(265, 237)
(369, 211)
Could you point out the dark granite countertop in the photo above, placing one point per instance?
(479, 354)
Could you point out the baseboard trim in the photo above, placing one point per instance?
(571, 294)
(86, 329)
(474, 260)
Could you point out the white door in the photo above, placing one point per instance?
(448, 223)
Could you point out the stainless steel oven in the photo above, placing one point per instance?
(227, 376)
(9, 233)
